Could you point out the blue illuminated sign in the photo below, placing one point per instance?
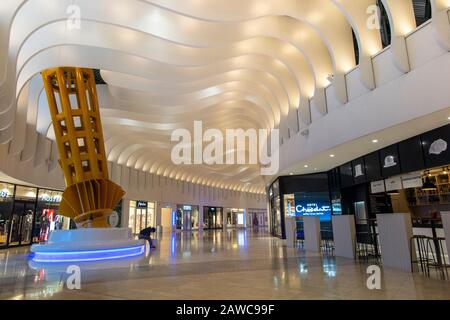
(174, 218)
(313, 205)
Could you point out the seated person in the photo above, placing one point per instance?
(145, 234)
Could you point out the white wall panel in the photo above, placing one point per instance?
(355, 86)
(422, 46)
(384, 68)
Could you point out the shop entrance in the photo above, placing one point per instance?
(187, 217)
(142, 215)
(166, 219)
(21, 223)
(212, 218)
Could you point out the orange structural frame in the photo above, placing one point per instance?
(90, 196)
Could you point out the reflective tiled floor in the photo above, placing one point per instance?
(243, 264)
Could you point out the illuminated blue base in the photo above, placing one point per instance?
(89, 255)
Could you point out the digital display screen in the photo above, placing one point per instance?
(316, 204)
(337, 207)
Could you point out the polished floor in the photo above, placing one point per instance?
(239, 264)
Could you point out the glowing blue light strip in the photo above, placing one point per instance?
(92, 255)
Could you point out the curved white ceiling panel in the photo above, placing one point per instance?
(167, 63)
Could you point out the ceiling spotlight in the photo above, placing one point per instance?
(374, 141)
(291, 174)
(330, 77)
(331, 155)
(306, 166)
(448, 118)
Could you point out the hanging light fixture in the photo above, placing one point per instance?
(428, 185)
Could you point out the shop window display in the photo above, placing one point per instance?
(187, 217)
(48, 217)
(142, 215)
(235, 218)
(28, 214)
(6, 203)
(256, 218)
(22, 215)
(213, 218)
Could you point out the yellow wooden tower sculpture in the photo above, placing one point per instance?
(90, 196)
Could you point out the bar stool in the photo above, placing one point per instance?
(366, 241)
(327, 242)
(363, 248)
(419, 243)
(435, 246)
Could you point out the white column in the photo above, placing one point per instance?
(224, 218)
(445, 216)
(291, 231)
(395, 234)
(344, 236)
(157, 214)
(125, 213)
(311, 227)
(200, 218)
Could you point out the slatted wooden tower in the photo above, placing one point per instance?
(90, 196)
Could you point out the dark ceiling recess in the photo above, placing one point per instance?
(422, 11)
(385, 27)
(98, 77)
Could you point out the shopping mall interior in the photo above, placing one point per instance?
(258, 149)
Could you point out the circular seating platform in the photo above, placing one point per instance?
(85, 245)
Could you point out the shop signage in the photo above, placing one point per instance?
(412, 180)
(337, 206)
(312, 209)
(4, 193)
(187, 208)
(438, 146)
(394, 183)
(358, 171)
(53, 199)
(389, 162)
(141, 204)
(377, 186)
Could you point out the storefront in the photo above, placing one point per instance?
(235, 218)
(212, 218)
(187, 217)
(409, 176)
(141, 215)
(300, 196)
(277, 225)
(28, 214)
(257, 218)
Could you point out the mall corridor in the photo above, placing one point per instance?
(233, 264)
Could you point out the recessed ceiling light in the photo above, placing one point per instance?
(375, 141)
(315, 169)
(448, 118)
(306, 166)
(291, 174)
(331, 155)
